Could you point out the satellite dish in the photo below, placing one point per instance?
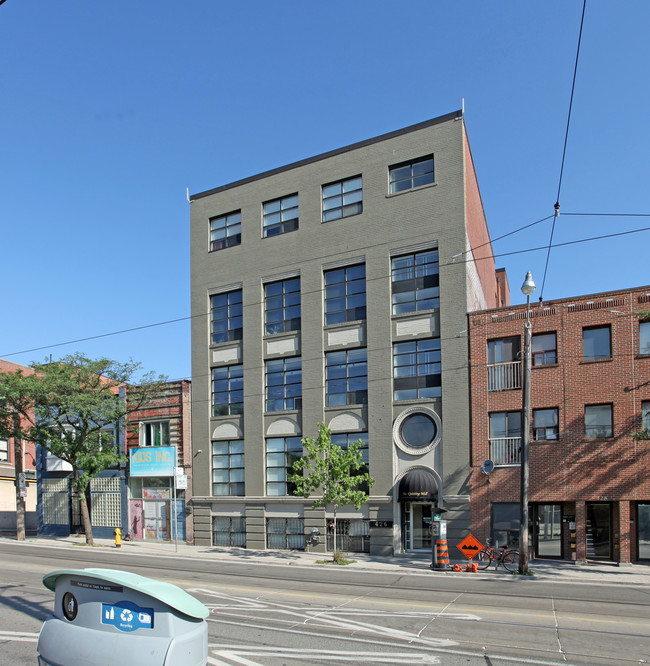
(487, 467)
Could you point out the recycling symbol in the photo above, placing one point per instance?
(126, 615)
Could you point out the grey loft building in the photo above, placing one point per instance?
(335, 290)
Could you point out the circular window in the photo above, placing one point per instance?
(417, 430)
(70, 606)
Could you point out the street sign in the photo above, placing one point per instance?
(470, 546)
(181, 482)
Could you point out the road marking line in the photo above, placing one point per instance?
(380, 602)
(20, 636)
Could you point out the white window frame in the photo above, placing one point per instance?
(143, 426)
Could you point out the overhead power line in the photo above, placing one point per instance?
(452, 262)
(566, 139)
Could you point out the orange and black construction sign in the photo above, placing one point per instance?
(470, 546)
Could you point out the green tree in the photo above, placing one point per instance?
(71, 408)
(335, 472)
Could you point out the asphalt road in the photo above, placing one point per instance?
(285, 614)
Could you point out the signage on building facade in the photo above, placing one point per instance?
(153, 460)
(381, 523)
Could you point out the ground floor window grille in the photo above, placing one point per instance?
(55, 502)
(105, 500)
(285, 533)
(352, 536)
(229, 531)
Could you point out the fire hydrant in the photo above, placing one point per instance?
(118, 537)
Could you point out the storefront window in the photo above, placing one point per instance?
(505, 524)
(643, 517)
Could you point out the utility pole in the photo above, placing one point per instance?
(21, 487)
(527, 289)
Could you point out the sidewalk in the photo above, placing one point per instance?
(634, 574)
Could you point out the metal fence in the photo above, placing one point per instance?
(504, 376)
(505, 450)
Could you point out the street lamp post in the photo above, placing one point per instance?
(527, 288)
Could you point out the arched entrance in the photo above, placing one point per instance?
(418, 498)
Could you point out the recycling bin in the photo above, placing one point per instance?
(104, 617)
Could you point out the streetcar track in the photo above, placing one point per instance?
(394, 585)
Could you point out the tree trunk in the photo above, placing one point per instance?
(83, 505)
(21, 485)
(335, 532)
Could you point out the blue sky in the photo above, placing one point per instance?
(110, 110)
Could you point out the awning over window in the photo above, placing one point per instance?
(418, 485)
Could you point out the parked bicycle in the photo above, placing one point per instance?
(509, 558)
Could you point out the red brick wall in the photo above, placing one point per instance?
(573, 468)
(29, 448)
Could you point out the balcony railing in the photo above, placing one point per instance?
(505, 450)
(504, 376)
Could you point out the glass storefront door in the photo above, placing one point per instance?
(547, 530)
(416, 525)
(156, 524)
(643, 530)
(599, 531)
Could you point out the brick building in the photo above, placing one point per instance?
(8, 473)
(163, 426)
(590, 426)
(327, 291)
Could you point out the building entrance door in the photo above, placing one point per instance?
(156, 519)
(547, 530)
(599, 531)
(416, 523)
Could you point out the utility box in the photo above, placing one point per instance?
(106, 617)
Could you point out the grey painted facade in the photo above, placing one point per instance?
(438, 215)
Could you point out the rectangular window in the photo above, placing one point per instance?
(282, 306)
(226, 312)
(644, 337)
(505, 438)
(409, 175)
(280, 215)
(505, 524)
(225, 231)
(344, 439)
(342, 199)
(154, 434)
(281, 453)
(504, 364)
(596, 343)
(598, 421)
(228, 390)
(4, 449)
(229, 532)
(284, 384)
(643, 530)
(352, 536)
(504, 350)
(545, 424)
(345, 294)
(228, 468)
(544, 348)
(414, 282)
(346, 377)
(417, 369)
(285, 533)
(645, 416)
